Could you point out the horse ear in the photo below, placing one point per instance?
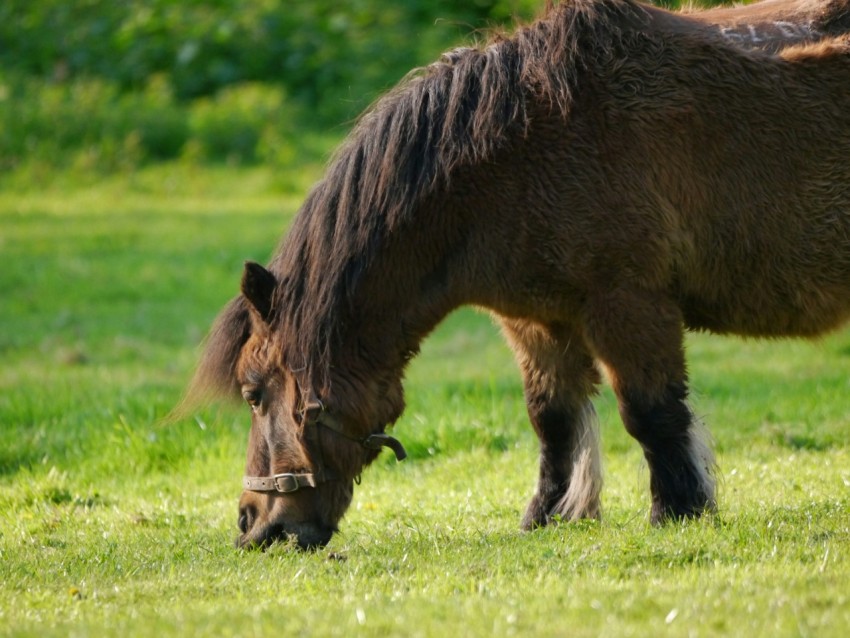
(258, 286)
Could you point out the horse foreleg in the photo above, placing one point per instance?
(639, 338)
(559, 377)
(570, 477)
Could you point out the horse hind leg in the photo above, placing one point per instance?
(681, 463)
(639, 338)
(559, 377)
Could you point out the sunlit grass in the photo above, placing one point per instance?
(115, 523)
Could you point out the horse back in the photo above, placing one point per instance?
(774, 24)
(689, 166)
(748, 162)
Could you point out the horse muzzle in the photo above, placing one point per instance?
(304, 536)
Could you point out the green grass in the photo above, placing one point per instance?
(114, 524)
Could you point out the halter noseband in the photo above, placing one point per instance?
(315, 415)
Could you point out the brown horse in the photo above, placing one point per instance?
(601, 181)
(775, 24)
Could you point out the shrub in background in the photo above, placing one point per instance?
(230, 125)
(111, 84)
(90, 124)
(331, 56)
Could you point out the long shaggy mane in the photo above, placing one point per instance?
(457, 111)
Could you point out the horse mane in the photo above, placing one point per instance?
(215, 375)
(457, 111)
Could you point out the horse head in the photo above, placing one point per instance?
(306, 446)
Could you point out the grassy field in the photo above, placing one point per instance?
(114, 524)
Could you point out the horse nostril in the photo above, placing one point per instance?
(246, 519)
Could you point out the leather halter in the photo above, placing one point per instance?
(315, 415)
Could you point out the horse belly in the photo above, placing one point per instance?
(763, 311)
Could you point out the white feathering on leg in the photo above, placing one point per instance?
(582, 498)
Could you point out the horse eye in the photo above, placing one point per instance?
(253, 396)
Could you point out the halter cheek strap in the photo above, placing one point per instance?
(315, 416)
(374, 441)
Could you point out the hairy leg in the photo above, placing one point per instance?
(639, 338)
(559, 377)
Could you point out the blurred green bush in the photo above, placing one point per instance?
(311, 47)
(90, 123)
(118, 82)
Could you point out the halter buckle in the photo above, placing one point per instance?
(286, 483)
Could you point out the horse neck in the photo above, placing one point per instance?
(457, 247)
(407, 289)
(413, 283)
